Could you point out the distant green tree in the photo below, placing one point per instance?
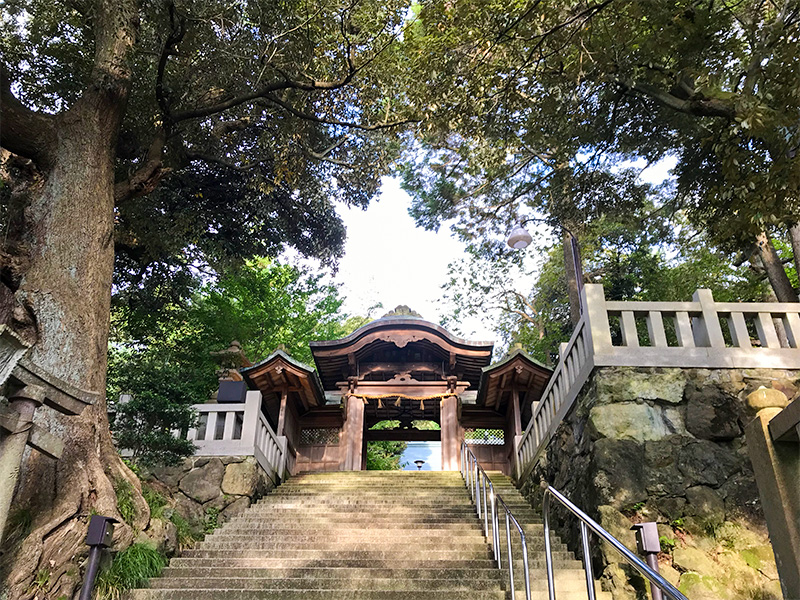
(632, 262)
(168, 366)
(385, 456)
(162, 394)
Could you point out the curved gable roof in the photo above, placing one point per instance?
(335, 357)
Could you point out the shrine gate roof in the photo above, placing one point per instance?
(403, 342)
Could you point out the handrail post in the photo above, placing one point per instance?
(548, 555)
(496, 533)
(587, 561)
(485, 511)
(525, 566)
(510, 555)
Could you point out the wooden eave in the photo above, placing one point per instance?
(280, 373)
(336, 359)
(516, 373)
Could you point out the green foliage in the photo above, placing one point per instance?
(211, 521)
(155, 501)
(130, 569)
(166, 364)
(42, 579)
(667, 543)
(187, 535)
(552, 110)
(258, 127)
(125, 500)
(385, 456)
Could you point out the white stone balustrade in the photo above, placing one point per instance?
(240, 429)
(697, 334)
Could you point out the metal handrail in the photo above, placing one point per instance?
(586, 523)
(486, 502)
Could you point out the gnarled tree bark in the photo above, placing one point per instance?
(69, 223)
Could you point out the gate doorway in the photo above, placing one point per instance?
(395, 444)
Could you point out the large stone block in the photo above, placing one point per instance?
(706, 504)
(203, 484)
(618, 476)
(620, 385)
(711, 414)
(629, 420)
(241, 478)
(706, 463)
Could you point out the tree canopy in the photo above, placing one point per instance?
(543, 108)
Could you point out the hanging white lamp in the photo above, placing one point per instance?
(519, 238)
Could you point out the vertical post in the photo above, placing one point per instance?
(252, 406)
(587, 562)
(25, 402)
(596, 315)
(451, 443)
(354, 427)
(776, 466)
(510, 554)
(282, 412)
(707, 331)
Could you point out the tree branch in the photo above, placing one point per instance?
(148, 176)
(220, 161)
(177, 31)
(24, 132)
(315, 119)
(695, 106)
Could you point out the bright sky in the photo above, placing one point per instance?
(389, 260)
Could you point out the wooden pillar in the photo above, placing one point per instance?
(513, 432)
(354, 435)
(451, 433)
(282, 413)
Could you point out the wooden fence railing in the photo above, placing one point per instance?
(697, 334)
(240, 429)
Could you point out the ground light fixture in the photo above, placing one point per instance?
(519, 238)
(419, 464)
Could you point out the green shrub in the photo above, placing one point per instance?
(155, 501)
(187, 535)
(131, 569)
(125, 503)
(212, 520)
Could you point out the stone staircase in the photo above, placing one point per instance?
(377, 535)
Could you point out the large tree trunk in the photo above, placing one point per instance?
(794, 236)
(776, 274)
(69, 227)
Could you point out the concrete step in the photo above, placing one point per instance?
(366, 536)
(356, 563)
(375, 542)
(348, 594)
(366, 573)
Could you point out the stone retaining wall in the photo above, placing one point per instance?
(667, 445)
(206, 492)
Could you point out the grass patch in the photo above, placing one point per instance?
(131, 569)
(157, 502)
(42, 579)
(18, 527)
(187, 535)
(125, 503)
(212, 520)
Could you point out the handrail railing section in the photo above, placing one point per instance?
(487, 504)
(586, 524)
